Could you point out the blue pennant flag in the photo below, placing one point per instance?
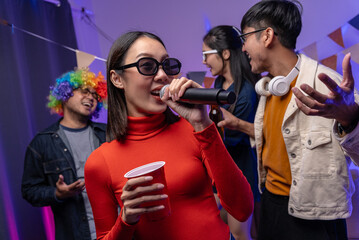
(355, 22)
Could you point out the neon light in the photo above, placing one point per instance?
(8, 209)
(48, 220)
(207, 23)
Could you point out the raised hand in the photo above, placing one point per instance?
(339, 104)
(195, 114)
(232, 122)
(64, 191)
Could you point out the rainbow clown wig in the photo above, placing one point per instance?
(64, 86)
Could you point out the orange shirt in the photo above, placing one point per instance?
(275, 156)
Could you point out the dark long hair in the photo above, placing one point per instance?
(227, 37)
(117, 107)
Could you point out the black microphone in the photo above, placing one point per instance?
(210, 96)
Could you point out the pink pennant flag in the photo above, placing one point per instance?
(84, 59)
(354, 50)
(311, 51)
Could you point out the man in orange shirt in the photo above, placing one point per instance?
(302, 168)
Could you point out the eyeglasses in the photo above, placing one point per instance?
(208, 52)
(149, 66)
(87, 92)
(242, 36)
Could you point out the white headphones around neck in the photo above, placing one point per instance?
(279, 85)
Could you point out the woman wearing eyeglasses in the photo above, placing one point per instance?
(222, 54)
(142, 129)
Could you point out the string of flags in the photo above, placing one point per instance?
(329, 51)
(83, 59)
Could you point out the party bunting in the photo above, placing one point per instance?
(355, 22)
(84, 59)
(4, 22)
(330, 62)
(337, 37)
(339, 42)
(208, 82)
(327, 48)
(354, 50)
(311, 51)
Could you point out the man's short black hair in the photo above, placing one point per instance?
(283, 16)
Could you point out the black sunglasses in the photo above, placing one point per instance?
(242, 36)
(149, 66)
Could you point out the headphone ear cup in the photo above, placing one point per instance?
(261, 86)
(278, 86)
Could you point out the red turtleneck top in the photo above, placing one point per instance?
(194, 160)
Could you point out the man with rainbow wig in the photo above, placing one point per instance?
(55, 159)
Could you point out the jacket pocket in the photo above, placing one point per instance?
(318, 159)
(54, 168)
(315, 139)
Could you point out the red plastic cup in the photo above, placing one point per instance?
(156, 170)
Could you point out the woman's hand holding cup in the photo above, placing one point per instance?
(145, 192)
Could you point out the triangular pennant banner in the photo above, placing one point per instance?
(4, 22)
(330, 62)
(84, 59)
(208, 81)
(350, 35)
(355, 22)
(354, 50)
(311, 51)
(337, 37)
(326, 47)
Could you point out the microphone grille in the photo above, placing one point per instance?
(162, 91)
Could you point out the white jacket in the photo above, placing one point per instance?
(350, 142)
(321, 183)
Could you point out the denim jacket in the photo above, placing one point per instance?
(46, 157)
(322, 185)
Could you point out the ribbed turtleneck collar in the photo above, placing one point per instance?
(140, 128)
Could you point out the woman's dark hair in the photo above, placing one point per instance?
(283, 16)
(225, 37)
(117, 108)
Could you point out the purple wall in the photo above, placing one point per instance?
(180, 24)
